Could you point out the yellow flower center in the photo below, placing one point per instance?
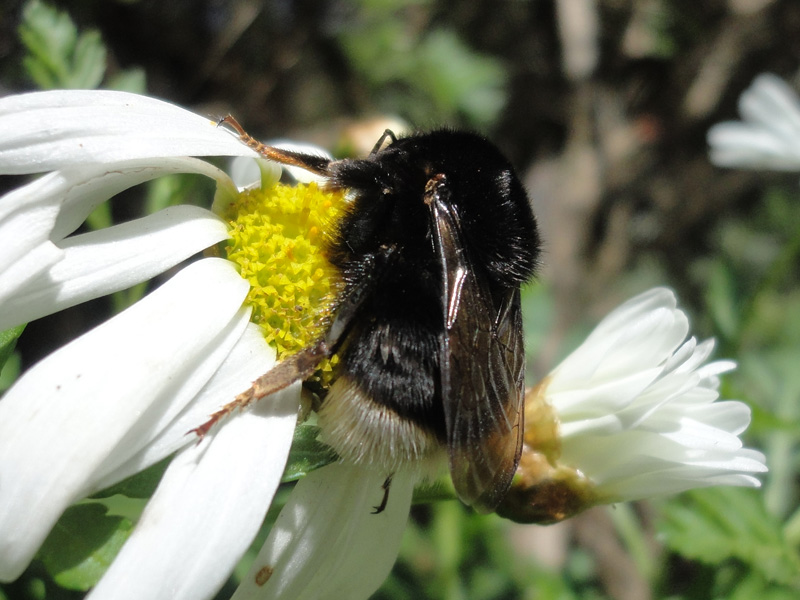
(279, 237)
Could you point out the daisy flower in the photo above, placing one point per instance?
(631, 414)
(125, 395)
(768, 137)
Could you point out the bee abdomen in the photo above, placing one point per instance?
(366, 433)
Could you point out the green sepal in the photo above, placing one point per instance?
(307, 453)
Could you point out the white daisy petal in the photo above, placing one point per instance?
(718, 367)
(634, 309)
(327, 542)
(130, 392)
(768, 137)
(25, 270)
(660, 478)
(36, 217)
(195, 375)
(634, 411)
(729, 416)
(26, 220)
(207, 508)
(95, 399)
(739, 145)
(642, 331)
(80, 189)
(772, 103)
(249, 358)
(608, 395)
(69, 127)
(105, 261)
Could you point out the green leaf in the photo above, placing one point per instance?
(8, 341)
(89, 61)
(82, 545)
(125, 298)
(10, 363)
(58, 57)
(719, 524)
(10, 371)
(307, 453)
(141, 485)
(48, 36)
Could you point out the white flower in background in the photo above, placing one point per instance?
(632, 413)
(124, 395)
(768, 137)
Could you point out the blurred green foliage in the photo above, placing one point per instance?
(58, 56)
(426, 76)
(721, 525)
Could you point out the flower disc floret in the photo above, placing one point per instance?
(278, 240)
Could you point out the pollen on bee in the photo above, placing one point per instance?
(276, 246)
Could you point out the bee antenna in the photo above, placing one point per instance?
(309, 162)
(386, 134)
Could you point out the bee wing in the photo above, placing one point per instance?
(482, 365)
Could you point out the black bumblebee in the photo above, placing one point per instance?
(437, 240)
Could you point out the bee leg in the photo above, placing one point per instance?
(382, 506)
(309, 162)
(295, 368)
(302, 365)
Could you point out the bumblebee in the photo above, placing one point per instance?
(438, 238)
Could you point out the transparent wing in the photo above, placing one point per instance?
(482, 372)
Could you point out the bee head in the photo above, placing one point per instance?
(475, 180)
